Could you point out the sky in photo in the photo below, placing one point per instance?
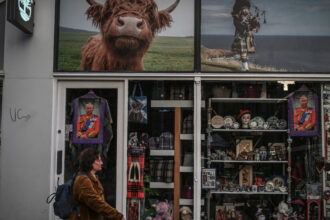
(72, 15)
(284, 17)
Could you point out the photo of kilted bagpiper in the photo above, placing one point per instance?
(246, 25)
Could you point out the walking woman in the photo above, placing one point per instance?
(88, 196)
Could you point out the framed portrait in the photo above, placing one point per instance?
(243, 146)
(283, 36)
(139, 43)
(245, 176)
(88, 119)
(303, 113)
(209, 178)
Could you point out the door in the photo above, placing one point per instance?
(108, 102)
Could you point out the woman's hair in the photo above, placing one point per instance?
(87, 158)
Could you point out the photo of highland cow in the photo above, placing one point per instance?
(265, 36)
(129, 35)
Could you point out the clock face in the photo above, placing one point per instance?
(217, 121)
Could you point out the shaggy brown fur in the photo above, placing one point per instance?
(127, 29)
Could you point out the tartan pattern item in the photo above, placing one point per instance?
(135, 164)
(159, 171)
(166, 141)
(188, 125)
(162, 170)
(168, 170)
(239, 45)
(153, 143)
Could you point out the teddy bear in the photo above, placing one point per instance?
(186, 213)
(163, 210)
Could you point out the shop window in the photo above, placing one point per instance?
(160, 150)
(253, 165)
(104, 103)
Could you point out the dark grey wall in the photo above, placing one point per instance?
(2, 31)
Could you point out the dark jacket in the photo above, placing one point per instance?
(88, 194)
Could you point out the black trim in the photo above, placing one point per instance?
(56, 35)
(197, 36)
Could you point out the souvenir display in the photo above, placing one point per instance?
(245, 176)
(253, 124)
(278, 182)
(270, 186)
(217, 121)
(272, 122)
(229, 121)
(260, 122)
(236, 125)
(281, 124)
(245, 117)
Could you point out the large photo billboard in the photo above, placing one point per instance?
(120, 36)
(265, 36)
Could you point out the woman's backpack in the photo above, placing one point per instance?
(63, 199)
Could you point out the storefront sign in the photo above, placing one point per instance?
(21, 14)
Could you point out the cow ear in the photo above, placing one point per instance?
(95, 12)
(165, 19)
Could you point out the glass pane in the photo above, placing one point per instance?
(108, 147)
(160, 149)
(262, 150)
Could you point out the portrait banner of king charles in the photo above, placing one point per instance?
(303, 113)
(88, 118)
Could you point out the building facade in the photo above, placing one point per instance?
(183, 113)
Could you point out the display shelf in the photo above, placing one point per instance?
(251, 193)
(187, 137)
(248, 100)
(189, 201)
(174, 103)
(185, 169)
(249, 130)
(161, 152)
(248, 161)
(161, 185)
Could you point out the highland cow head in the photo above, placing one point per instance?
(129, 26)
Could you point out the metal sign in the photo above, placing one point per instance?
(21, 14)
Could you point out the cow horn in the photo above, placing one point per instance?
(172, 7)
(91, 2)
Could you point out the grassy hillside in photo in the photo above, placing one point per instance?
(165, 53)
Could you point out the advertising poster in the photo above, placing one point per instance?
(265, 36)
(101, 36)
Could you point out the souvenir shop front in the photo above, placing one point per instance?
(203, 148)
(194, 118)
(195, 122)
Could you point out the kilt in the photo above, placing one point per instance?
(243, 45)
(239, 45)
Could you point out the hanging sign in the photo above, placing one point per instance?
(21, 14)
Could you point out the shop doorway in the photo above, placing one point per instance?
(107, 99)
